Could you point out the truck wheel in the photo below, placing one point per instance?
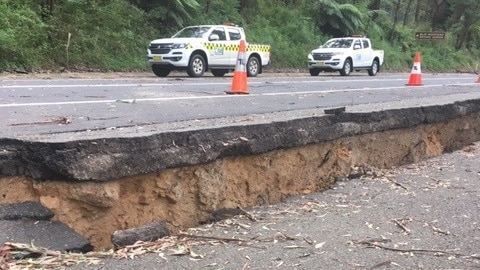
(160, 71)
(347, 68)
(219, 72)
(197, 66)
(253, 66)
(314, 72)
(374, 69)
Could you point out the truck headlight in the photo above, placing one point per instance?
(179, 45)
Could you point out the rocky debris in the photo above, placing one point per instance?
(29, 222)
(149, 232)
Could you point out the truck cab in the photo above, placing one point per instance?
(345, 55)
(199, 48)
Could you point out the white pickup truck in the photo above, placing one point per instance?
(199, 48)
(345, 55)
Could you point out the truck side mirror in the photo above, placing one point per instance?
(357, 47)
(213, 37)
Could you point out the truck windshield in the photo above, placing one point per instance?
(192, 32)
(338, 43)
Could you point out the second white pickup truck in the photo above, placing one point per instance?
(199, 48)
(345, 55)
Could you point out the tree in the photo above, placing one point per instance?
(465, 22)
(439, 14)
(337, 19)
(374, 6)
(407, 11)
(167, 15)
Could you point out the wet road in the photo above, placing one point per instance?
(54, 106)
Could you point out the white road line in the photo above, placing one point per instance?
(266, 81)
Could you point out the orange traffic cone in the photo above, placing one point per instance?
(239, 83)
(416, 74)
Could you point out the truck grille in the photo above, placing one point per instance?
(160, 48)
(322, 56)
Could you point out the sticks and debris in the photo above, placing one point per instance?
(221, 239)
(59, 121)
(401, 223)
(21, 256)
(373, 243)
(397, 183)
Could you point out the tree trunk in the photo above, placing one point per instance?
(407, 11)
(438, 13)
(374, 5)
(417, 11)
(207, 6)
(395, 20)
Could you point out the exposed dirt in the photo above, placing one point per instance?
(185, 197)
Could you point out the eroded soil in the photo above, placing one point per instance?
(185, 197)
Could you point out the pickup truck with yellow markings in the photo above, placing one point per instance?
(345, 55)
(200, 48)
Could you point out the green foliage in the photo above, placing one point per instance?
(104, 35)
(113, 34)
(290, 42)
(20, 49)
(217, 12)
(167, 16)
(337, 19)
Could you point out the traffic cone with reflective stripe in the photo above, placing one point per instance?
(416, 74)
(239, 83)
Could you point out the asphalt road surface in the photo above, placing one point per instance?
(30, 107)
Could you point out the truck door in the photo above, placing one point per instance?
(357, 53)
(367, 53)
(234, 37)
(217, 47)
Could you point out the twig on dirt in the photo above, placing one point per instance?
(308, 240)
(284, 236)
(22, 255)
(203, 237)
(438, 230)
(436, 180)
(381, 264)
(396, 183)
(247, 214)
(60, 121)
(370, 243)
(399, 222)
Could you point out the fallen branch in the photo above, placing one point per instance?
(397, 184)
(400, 224)
(247, 214)
(436, 252)
(22, 255)
(203, 237)
(60, 121)
(385, 263)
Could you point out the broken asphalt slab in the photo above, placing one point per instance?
(108, 158)
(29, 223)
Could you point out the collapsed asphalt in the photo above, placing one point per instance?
(419, 216)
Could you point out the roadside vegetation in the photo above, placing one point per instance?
(113, 35)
